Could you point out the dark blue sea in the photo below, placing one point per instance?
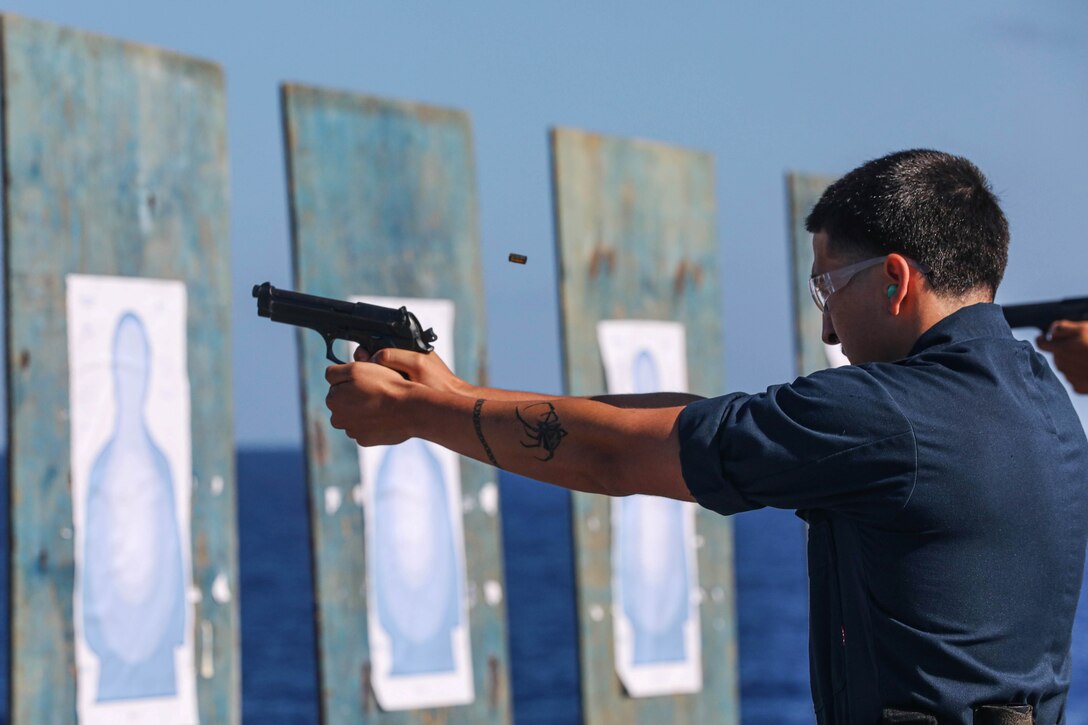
(279, 682)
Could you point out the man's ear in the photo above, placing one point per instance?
(897, 281)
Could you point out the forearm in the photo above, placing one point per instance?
(431, 371)
(576, 443)
(632, 400)
(475, 392)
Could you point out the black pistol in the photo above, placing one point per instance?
(371, 326)
(1043, 314)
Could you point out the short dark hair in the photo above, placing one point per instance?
(933, 207)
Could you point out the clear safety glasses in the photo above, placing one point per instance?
(822, 286)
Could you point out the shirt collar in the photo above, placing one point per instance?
(967, 323)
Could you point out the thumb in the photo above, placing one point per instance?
(403, 361)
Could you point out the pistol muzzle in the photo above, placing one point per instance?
(263, 293)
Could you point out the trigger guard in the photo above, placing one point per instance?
(329, 353)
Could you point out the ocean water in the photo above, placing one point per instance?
(279, 679)
(279, 676)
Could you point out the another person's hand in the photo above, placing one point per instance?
(366, 401)
(1068, 341)
(423, 368)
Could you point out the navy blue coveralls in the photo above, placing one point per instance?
(947, 499)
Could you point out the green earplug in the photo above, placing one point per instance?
(892, 289)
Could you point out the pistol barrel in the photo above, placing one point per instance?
(1043, 314)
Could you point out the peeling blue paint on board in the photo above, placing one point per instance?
(635, 232)
(383, 202)
(116, 161)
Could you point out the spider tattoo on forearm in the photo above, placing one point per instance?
(545, 431)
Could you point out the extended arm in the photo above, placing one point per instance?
(431, 371)
(577, 443)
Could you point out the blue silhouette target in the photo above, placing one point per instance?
(415, 570)
(132, 581)
(652, 571)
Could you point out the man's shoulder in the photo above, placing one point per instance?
(841, 400)
(849, 382)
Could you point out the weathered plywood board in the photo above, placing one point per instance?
(116, 164)
(636, 239)
(802, 192)
(383, 202)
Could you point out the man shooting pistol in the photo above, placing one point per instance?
(1064, 324)
(947, 519)
(371, 326)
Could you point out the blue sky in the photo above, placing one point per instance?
(763, 86)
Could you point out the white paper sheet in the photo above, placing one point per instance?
(417, 603)
(131, 486)
(835, 356)
(655, 584)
